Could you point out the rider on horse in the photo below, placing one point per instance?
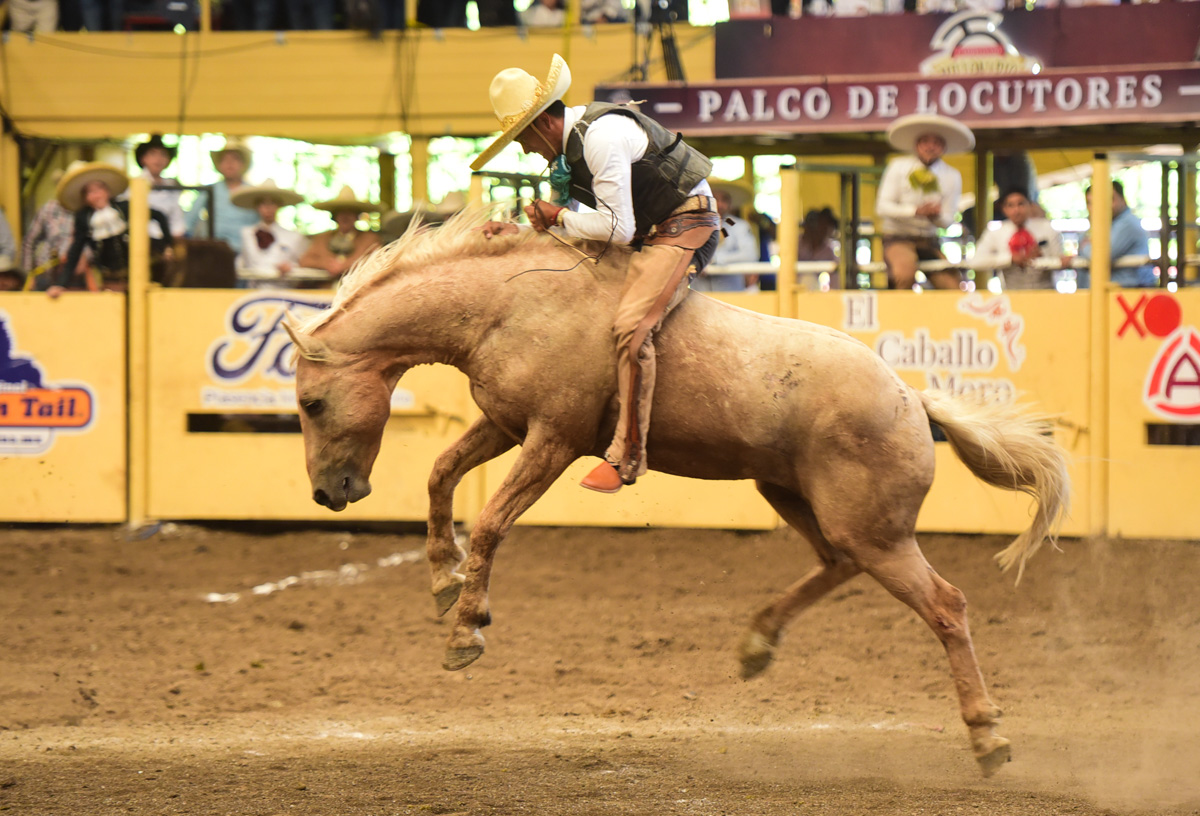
(645, 188)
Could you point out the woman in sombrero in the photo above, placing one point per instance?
(88, 189)
(919, 194)
(337, 250)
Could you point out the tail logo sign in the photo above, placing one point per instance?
(33, 411)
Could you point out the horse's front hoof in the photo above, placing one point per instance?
(992, 755)
(461, 658)
(755, 653)
(447, 597)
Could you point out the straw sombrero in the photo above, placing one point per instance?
(517, 99)
(396, 223)
(905, 131)
(155, 141)
(739, 193)
(248, 197)
(347, 200)
(80, 174)
(233, 144)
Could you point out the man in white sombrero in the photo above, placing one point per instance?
(269, 249)
(617, 176)
(919, 194)
(225, 220)
(336, 251)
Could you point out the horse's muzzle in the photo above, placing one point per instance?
(348, 489)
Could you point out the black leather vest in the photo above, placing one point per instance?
(661, 180)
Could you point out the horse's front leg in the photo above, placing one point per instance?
(482, 442)
(540, 463)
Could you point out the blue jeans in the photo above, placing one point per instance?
(101, 15)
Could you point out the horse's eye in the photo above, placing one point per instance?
(313, 407)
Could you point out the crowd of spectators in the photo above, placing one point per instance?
(79, 239)
(318, 15)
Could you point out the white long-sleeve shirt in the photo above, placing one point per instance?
(166, 202)
(897, 201)
(993, 250)
(611, 145)
(287, 247)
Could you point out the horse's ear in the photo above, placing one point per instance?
(307, 346)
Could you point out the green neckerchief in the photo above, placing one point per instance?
(560, 180)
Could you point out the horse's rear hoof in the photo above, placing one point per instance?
(756, 653)
(994, 755)
(461, 658)
(447, 598)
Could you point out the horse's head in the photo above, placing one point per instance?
(345, 401)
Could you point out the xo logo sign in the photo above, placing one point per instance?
(1158, 315)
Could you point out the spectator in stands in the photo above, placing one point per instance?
(738, 242)
(1127, 239)
(101, 15)
(310, 15)
(337, 250)
(816, 240)
(29, 16)
(11, 280)
(442, 13)
(88, 189)
(153, 157)
(269, 250)
(49, 237)
(768, 232)
(919, 194)
(1018, 243)
(8, 244)
(602, 11)
(226, 221)
(544, 14)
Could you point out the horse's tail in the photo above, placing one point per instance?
(1009, 447)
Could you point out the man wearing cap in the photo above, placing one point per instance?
(738, 243)
(226, 221)
(269, 249)
(643, 187)
(337, 250)
(918, 194)
(101, 224)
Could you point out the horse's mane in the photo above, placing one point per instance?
(459, 237)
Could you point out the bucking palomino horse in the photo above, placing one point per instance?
(809, 413)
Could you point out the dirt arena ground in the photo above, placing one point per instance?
(132, 681)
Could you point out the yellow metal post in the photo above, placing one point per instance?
(475, 191)
(206, 15)
(983, 203)
(1101, 234)
(789, 239)
(10, 184)
(137, 380)
(1187, 214)
(387, 180)
(419, 155)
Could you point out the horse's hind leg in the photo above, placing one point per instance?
(905, 573)
(757, 648)
(482, 442)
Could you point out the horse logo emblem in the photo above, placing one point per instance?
(1173, 384)
(31, 410)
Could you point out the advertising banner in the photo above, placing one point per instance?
(1026, 347)
(1154, 413)
(225, 436)
(62, 407)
